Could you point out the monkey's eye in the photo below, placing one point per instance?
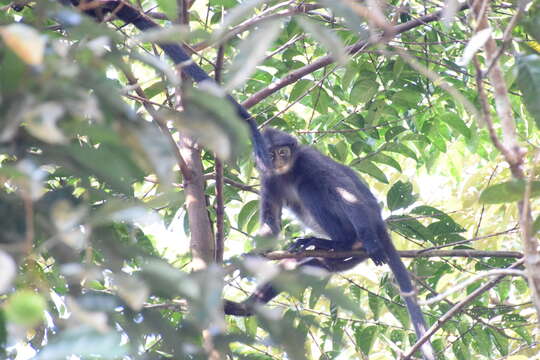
(284, 151)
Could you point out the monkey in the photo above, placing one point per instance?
(330, 199)
(131, 15)
(326, 195)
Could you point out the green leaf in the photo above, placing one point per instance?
(399, 313)
(99, 301)
(337, 297)
(326, 37)
(155, 89)
(316, 293)
(363, 90)
(407, 98)
(85, 343)
(375, 304)
(112, 164)
(365, 338)
(397, 68)
(445, 226)
(236, 15)
(212, 121)
(299, 88)
(25, 307)
(284, 332)
(251, 52)
(400, 196)
(169, 7)
(503, 290)
(253, 223)
(528, 81)
(339, 151)
(393, 132)
(438, 141)
(408, 227)
(536, 225)
(337, 334)
(454, 121)
(247, 212)
(321, 100)
(350, 74)
(166, 281)
(501, 342)
(371, 169)
(355, 22)
(460, 350)
(428, 211)
(482, 341)
(400, 149)
(531, 21)
(387, 160)
(170, 33)
(12, 70)
(510, 191)
(158, 152)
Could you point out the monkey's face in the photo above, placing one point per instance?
(281, 159)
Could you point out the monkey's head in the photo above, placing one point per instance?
(282, 147)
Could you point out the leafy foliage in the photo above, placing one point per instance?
(94, 211)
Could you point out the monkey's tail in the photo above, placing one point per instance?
(408, 293)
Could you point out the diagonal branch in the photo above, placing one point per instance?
(456, 309)
(359, 46)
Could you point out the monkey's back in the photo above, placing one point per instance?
(312, 165)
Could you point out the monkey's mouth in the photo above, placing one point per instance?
(281, 169)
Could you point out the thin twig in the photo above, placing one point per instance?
(463, 284)
(157, 119)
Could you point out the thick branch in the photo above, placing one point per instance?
(220, 207)
(279, 255)
(509, 146)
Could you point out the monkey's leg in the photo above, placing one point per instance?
(267, 292)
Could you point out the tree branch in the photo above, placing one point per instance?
(280, 255)
(509, 146)
(359, 46)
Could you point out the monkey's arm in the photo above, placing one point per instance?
(271, 205)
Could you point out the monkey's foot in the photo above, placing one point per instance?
(378, 256)
(237, 309)
(312, 243)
